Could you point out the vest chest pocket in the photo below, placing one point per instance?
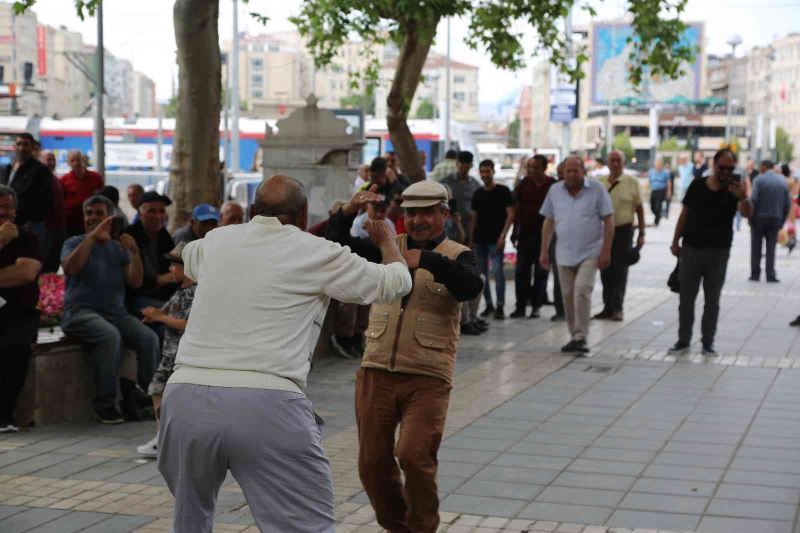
(431, 340)
(378, 321)
(432, 331)
(437, 289)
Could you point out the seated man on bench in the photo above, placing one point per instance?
(98, 267)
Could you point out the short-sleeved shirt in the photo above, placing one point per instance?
(578, 220)
(178, 306)
(709, 223)
(658, 179)
(462, 191)
(76, 191)
(184, 234)
(528, 199)
(24, 297)
(490, 212)
(100, 284)
(626, 196)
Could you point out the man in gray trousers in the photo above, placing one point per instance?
(235, 401)
(771, 204)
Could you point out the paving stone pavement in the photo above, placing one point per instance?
(627, 440)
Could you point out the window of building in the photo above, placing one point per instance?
(459, 96)
(257, 94)
(258, 47)
(459, 78)
(256, 64)
(257, 80)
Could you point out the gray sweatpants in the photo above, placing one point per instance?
(270, 442)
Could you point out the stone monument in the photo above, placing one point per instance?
(315, 147)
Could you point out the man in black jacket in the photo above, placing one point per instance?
(153, 241)
(31, 181)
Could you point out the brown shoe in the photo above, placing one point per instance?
(603, 315)
(617, 316)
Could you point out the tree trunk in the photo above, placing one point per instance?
(413, 53)
(194, 174)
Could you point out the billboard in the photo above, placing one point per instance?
(563, 97)
(610, 51)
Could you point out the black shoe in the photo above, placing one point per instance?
(679, 347)
(603, 315)
(357, 346)
(559, 317)
(518, 313)
(499, 314)
(341, 347)
(481, 324)
(773, 280)
(131, 400)
(581, 346)
(488, 311)
(708, 349)
(569, 347)
(108, 415)
(470, 328)
(534, 313)
(753, 278)
(795, 322)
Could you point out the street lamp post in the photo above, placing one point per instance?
(733, 42)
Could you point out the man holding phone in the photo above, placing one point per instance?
(702, 240)
(98, 268)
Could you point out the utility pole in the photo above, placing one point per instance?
(99, 124)
(234, 166)
(448, 96)
(566, 133)
(733, 42)
(226, 102)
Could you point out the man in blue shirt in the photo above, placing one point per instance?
(580, 213)
(660, 188)
(98, 268)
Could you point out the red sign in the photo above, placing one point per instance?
(41, 49)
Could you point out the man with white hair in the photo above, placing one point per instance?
(579, 212)
(235, 400)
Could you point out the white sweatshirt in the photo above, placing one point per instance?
(263, 289)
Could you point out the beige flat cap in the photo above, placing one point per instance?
(425, 194)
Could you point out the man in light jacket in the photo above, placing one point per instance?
(235, 401)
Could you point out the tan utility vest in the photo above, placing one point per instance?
(422, 337)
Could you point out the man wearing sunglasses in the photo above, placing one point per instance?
(702, 240)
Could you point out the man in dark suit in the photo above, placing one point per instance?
(31, 180)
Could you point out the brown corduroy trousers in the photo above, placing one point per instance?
(419, 405)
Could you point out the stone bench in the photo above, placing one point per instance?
(60, 382)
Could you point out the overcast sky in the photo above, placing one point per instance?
(142, 31)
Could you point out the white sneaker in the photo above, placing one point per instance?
(9, 428)
(150, 449)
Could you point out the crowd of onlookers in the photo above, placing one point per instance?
(124, 287)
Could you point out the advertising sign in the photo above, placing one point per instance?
(41, 50)
(563, 97)
(610, 63)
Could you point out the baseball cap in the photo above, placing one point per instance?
(153, 196)
(176, 254)
(205, 212)
(424, 194)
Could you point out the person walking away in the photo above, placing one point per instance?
(685, 174)
(174, 315)
(558, 299)
(668, 198)
(527, 220)
(493, 208)
(771, 208)
(407, 371)
(700, 167)
(580, 212)
(702, 241)
(20, 264)
(236, 400)
(660, 189)
(79, 184)
(626, 198)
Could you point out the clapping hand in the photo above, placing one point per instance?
(152, 314)
(8, 232)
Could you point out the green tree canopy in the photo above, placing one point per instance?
(493, 25)
(622, 142)
(783, 146)
(426, 109)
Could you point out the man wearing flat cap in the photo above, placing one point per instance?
(407, 371)
(154, 241)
